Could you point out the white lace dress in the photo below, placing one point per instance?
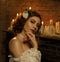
(31, 55)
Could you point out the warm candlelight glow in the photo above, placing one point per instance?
(29, 8)
(42, 22)
(51, 20)
(17, 14)
(20, 14)
(12, 21)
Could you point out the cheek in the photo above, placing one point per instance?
(29, 24)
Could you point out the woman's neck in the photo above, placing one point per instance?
(22, 36)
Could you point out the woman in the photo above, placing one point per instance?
(24, 46)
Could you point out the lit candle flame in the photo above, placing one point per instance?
(29, 8)
(42, 22)
(17, 14)
(12, 21)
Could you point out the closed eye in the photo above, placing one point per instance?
(33, 21)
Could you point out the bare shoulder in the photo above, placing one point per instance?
(15, 47)
(13, 41)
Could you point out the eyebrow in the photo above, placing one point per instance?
(33, 20)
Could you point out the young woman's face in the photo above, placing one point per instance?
(32, 24)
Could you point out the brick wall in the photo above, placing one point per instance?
(48, 9)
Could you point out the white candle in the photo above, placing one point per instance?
(42, 28)
(57, 27)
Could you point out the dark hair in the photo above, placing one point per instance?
(20, 21)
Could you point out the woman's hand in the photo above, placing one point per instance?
(32, 39)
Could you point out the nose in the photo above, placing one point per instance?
(35, 28)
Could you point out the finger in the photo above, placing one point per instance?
(31, 34)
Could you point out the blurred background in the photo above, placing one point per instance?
(48, 9)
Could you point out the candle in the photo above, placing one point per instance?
(57, 27)
(42, 22)
(17, 14)
(11, 25)
(51, 21)
(42, 28)
(12, 21)
(29, 8)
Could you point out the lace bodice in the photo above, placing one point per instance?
(31, 55)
